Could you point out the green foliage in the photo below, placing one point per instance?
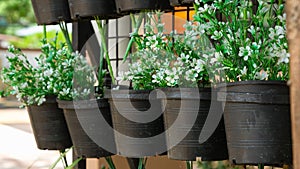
(75, 78)
(110, 162)
(53, 75)
(33, 41)
(63, 159)
(24, 78)
(170, 60)
(17, 11)
(252, 43)
(216, 165)
(142, 163)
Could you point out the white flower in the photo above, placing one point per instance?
(244, 71)
(282, 18)
(203, 9)
(271, 33)
(24, 85)
(65, 92)
(86, 92)
(183, 58)
(245, 52)
(217, 35)
(254, 65)
(262, 75)
(280, 31)
(48, 72)
(40, 100)
(256, 45)
(283, 56)
(116, 88)
(199, 65)
(251, 30)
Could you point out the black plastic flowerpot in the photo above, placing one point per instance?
(257, 122)
(49, 125)
(185, 115)
(128, 6)
(51, 11)
(88, 9)
(85, 119)
(181, 2)
(138, 123)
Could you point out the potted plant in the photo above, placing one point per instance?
(253, 48)
(85, 109)
(136, 111)
(89, 9)
(51, 11)
(166, 62)
(34, 85)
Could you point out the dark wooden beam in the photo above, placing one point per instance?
(81, 32)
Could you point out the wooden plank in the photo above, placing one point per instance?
(293, 32)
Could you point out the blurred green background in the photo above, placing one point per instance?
(18, 25)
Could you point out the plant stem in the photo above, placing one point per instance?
(104, 47)
(100, 73)
(64, 28)
(261, 166)
(61, 157)
(110, 162)
(137, 25)
(74, 163)
(189, 164)
(45, 33)
(64, 158)
(142, 163)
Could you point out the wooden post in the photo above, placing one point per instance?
(293, 33)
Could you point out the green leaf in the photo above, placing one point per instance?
(74, 163)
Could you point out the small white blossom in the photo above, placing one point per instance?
(283, 56)
(217, 35)
(244, 71)
(245, 52)
(252, 30)
(262, 75)
(203, 9)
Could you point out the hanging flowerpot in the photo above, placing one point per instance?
(257, 122)
(49, 125)
(181, 2)
(190, 108)
(88, 9)
(83, 121)
(128, 6)
(51, 11)
(138, 123)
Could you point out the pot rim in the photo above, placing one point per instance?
(251, 82)
(83, 104)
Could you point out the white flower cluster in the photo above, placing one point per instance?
(172, 60)
(53, 75)
(27, 82)
(75, 77)
(253, 43)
